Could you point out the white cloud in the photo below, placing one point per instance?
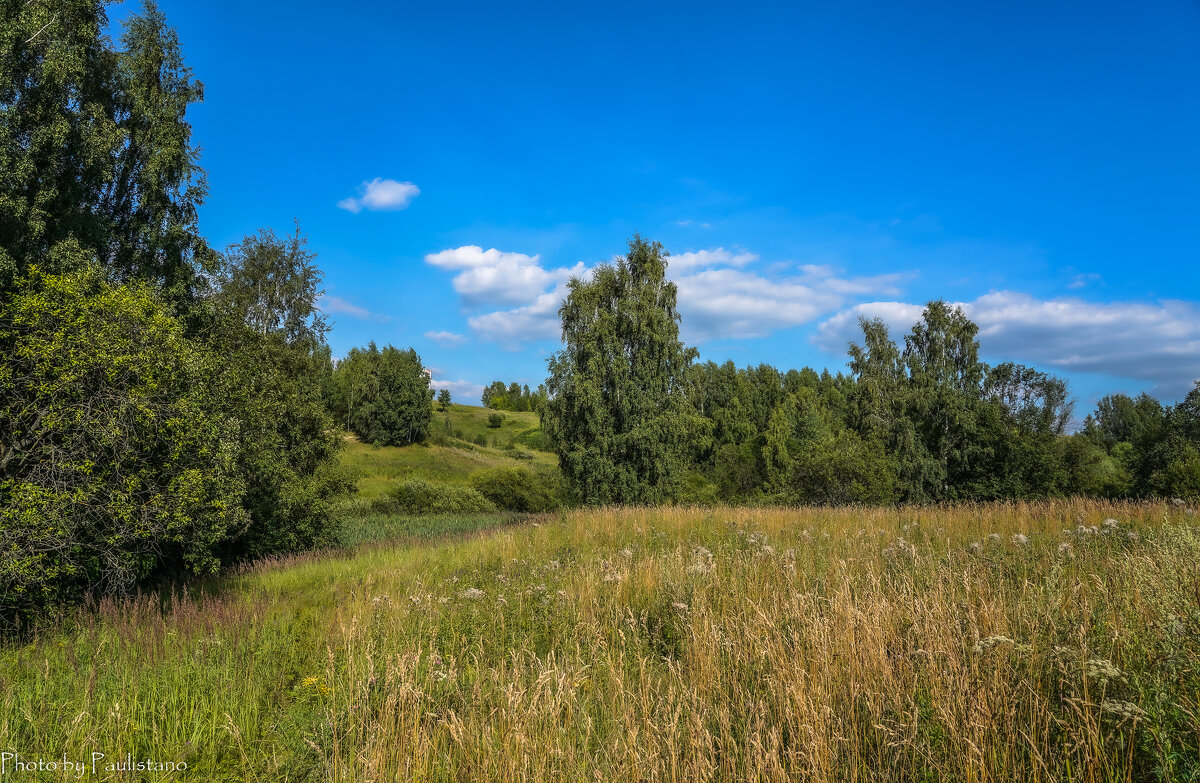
(718, 297)
(703, 259)
(535, 321)
(493, 276)
(736, 303)
(381, 194)
(446, 339)
(1157, 343)
(461, 392)
(498, 278)
(335, 304)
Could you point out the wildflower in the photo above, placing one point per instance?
(612, 575)
(627, 553)
(1064, 549)
(702, 561)
(1110, 524)
(1101, 669)
(1122, 710)
(553, 565)
(472, 593)
(995, 537)
(381, 600)
(1178, 502)
(680, 606)
(1020, 539)
(975, 547)
(1132, 535)
(901, 547)
(993, 641)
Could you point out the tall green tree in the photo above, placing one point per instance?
(59, 134)
(941, 356)
(618, 412)
(96, 159)
(265, 323)
(384, 395)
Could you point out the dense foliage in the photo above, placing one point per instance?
(618, 413)
(117, 460)
(515, 489)
(96, 159)
(925, 421)
(161, 403)
(383, 396)
(513, 397)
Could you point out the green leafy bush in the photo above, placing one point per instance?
(532, 439)
(115, 462)
(495, 420)
(417, 496)
(515, 489)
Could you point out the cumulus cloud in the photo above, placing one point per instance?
(461, 392)
(535, 321)
(740, 303)
(498, 278)
(1156, 342)
(494, 276)
(719, 296)
(703, 259)
(446, 339)
(381, 195)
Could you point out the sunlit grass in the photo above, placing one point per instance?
(660, 644)
(376, 470)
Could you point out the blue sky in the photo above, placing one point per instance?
(454, 163)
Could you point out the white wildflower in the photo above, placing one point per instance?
(1101, 669)
(993, 641)
(1122, 710)
(1020, 539)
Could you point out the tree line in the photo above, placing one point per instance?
(635, 419)
(513, 397)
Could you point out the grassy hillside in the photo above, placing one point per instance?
(450, 456)
(977, 643)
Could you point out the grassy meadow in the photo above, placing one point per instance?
(973, 643)
(452, 454)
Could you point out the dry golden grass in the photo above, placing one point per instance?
(667, 645)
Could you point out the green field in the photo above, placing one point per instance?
(450, 456)
(971, 643)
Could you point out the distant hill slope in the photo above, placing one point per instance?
(449, 455)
